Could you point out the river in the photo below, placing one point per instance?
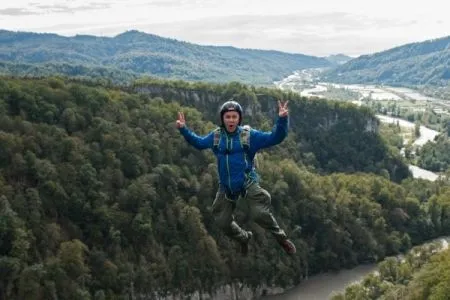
(324, 286)
(426, 134)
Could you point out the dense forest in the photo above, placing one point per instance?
(135, 53)
(100, 74)
(101, 198)
(417, 64)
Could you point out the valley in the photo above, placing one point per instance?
(308, 83)
(393, 105)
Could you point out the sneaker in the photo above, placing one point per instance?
(288, 246)
(244, 245)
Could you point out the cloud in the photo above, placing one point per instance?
(15, 11)
(58, 8)
(37, 8)
(165, 3)
(327, 24)
(315, 34)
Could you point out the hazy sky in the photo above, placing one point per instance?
(314, 27)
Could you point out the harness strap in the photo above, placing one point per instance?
(244, 137)
(217, 133)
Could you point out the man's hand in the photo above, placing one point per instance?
(181, 121)
(283, 109)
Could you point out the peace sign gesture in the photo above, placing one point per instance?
(181, 121)
(283, 109)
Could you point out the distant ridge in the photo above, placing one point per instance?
(139, 53)
(421, 63)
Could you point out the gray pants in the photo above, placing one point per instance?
(259, 201)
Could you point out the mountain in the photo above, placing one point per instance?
(421, 63)
(134, 53)
(338, 59)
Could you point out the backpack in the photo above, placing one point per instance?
(244, 139)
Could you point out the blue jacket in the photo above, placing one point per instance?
(235, 167)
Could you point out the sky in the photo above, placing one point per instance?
(315, 27)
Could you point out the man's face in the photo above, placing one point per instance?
(231, 120)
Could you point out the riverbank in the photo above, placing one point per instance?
(324, 286)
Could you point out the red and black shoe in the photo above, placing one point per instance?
(288, 246)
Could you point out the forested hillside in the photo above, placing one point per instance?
(101, 198)
(134, 53)
(82, 72)
(421, 63)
